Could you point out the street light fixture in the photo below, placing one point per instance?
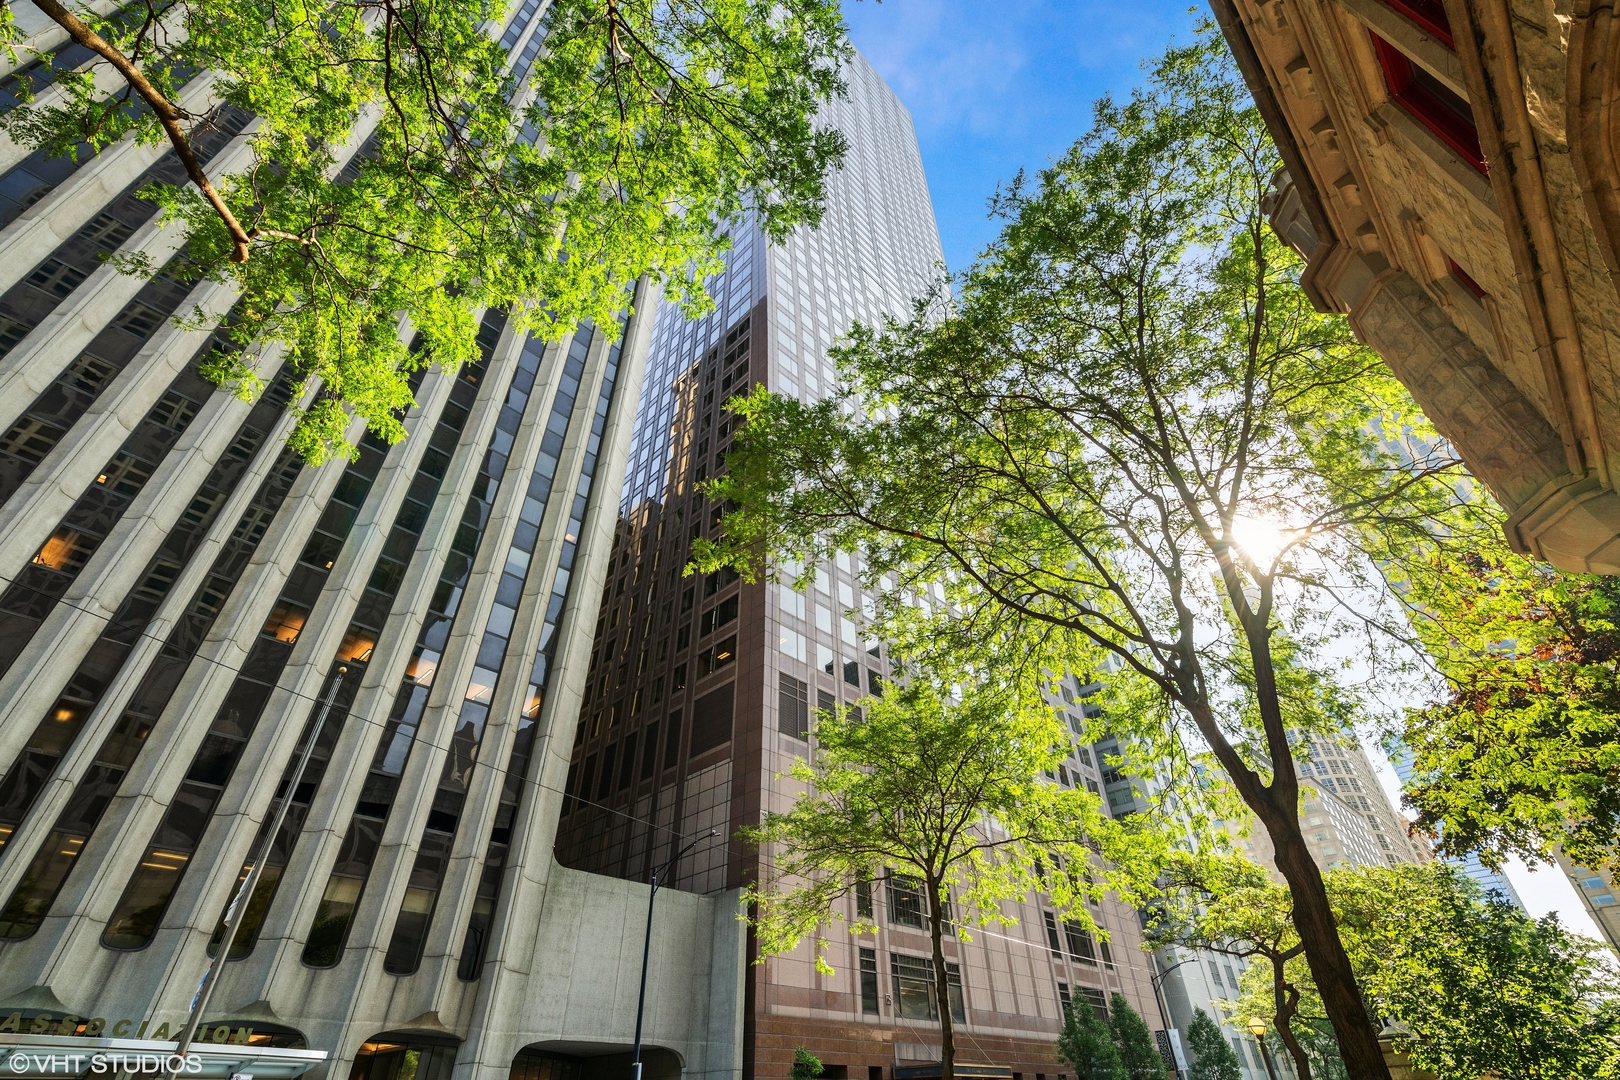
(646, 947)
(1257, 1028)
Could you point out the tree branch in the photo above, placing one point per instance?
(168, 115)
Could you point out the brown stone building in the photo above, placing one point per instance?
(1450, 176)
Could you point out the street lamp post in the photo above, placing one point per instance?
(239, 905)
(1257, 1028)
(1158, 987)
(646, 949)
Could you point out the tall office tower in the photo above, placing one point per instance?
(702, 690)
(185, 606)
(1342, 767)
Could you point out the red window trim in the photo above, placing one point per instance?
(1464, 280)
(1429, 16)
(1425, 105)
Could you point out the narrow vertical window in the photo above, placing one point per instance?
(869, 982)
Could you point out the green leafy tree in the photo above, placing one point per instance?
(1483, 988)
(946, 795)
(1087, 1044)
(640, 131)
(1226, 904)
(806, 1065)
(1129, 442)
(1523, 757)
(1478, 987)
(1138, 1053)
(1213, 1056)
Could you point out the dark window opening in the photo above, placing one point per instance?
(793, 707)
(905, 901)
(869, 982)
(1464, 280)
(1431, 103)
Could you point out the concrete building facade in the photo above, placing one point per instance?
(1598, 894)
(1342, 767)
(703, 691)
(1450, 177)
(180, 597)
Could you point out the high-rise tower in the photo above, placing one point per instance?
(702, 691)
(179, 593)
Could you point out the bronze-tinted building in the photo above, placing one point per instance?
(701, 691)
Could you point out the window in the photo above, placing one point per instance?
(1461, 277)
(66, 550)
(718, 616)
(717, 656)
(1096, 999)
(863, 897)
(1064, 1000)
(56, 277)
(905, 900)
(791, 601)
(1431, 103)
(869, 979)
(852, 673)
(915, 997)
(1052, 933)
(672, 739)
(1079, 942)
(718, 580)
(285, 621)
(30, 439)
(791, 643)
(793, 707)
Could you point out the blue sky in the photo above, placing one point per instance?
(1007, 84)
(998, 86)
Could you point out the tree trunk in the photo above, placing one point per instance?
(942, 983)
(1277, 806)
(1287, 998)
(1313, 913)
(1324, 953)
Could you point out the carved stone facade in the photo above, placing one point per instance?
(1451, 178)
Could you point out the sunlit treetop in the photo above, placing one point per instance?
(640, 132)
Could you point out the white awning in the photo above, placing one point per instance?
(74, 1055)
